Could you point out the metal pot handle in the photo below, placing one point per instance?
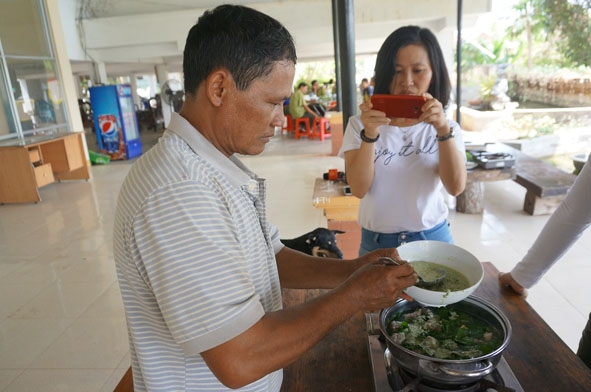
(468, 373)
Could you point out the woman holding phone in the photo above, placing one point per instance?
(398, 166)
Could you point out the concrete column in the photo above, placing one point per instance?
(133, 82)
(162, 76)
(65, 69)
(346, 28)
(78, 86)
(99, 73)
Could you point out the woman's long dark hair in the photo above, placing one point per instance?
(440, 86)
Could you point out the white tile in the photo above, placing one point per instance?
(39, 272)
(109, 304)
(100, 267)
(59, 380)
(22, 341)
(559, 314)
(61, 299)
(15, 294)
(7, 376)
(87, 344)
(114, 380)
(8, 266)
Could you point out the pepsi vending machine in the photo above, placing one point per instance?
(115, 121)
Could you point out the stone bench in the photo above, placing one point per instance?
(545, 184)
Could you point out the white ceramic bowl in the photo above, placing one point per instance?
(446, 254)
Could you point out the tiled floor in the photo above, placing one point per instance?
(62, 326)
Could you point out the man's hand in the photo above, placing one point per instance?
(373, 257)
(506, 279)
(376, 285)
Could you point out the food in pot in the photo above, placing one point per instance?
(454, 280)
(444, 333)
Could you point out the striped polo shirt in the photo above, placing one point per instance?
(195, 258)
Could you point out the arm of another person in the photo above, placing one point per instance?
(452, 163)
(309, 110)
(281, 337)
(564, 227)
(359, 163)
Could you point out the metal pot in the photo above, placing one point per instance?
(448, 371)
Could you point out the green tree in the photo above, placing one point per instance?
(570, 20)
(532, 22)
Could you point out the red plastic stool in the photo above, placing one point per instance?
(319, 129)
(288, 124)
(306, 122)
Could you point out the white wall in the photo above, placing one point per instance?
(68, 14)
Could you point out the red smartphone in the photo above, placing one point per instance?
(399, 106)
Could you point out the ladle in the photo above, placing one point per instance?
(422, 283)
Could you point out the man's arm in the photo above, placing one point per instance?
(281, 337)
(298, 270)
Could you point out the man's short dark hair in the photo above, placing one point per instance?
(440, 86)
(242, 40)
(302, 84)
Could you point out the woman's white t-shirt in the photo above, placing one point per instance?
(406, 193)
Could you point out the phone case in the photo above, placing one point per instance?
(399, 106)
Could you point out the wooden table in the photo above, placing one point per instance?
(537, 356)
(340, 212)
(330, 196)
(340, 362)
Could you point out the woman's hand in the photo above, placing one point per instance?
(506, 279)
(434, 114)
(372, 119)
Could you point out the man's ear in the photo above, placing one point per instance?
(217, 86)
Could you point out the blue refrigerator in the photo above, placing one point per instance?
(115, 121)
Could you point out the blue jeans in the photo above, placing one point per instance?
(371, 240)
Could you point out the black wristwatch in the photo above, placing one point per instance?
(446, 137)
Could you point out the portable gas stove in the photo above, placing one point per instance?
(493, 160)
(388, 377)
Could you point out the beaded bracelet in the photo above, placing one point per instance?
(368, 139)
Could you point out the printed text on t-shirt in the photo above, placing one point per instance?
(429, 147)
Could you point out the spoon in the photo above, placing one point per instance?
(436, 277)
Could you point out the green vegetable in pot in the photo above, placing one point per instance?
(444, 333)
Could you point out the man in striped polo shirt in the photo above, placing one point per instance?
(199, 265)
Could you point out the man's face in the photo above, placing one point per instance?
(251, 115)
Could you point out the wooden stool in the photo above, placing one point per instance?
(288, 125)
(319, 128)
(306, 122)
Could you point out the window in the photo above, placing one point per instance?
(30, 84)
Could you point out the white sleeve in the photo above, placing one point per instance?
(560, 232)
(351, 138)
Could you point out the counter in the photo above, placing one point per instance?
(340, 362)
(537, 356)
(39, 161)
